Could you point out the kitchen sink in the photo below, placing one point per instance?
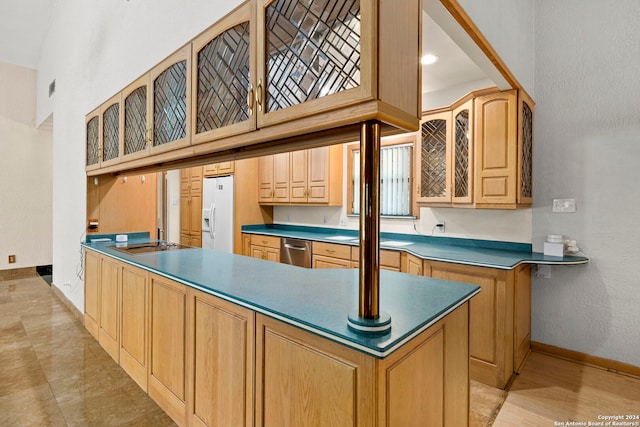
(342, 238)
(395, 243)
(141, 248)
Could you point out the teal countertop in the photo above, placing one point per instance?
(483, 253)
(315, 300)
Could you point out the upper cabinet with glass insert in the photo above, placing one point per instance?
(318, 56)
(223, 97)
(477, 152)
(104, 135)
(277, 69)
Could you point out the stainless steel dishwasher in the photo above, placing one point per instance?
(295, 252)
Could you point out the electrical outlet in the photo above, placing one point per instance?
(324, 219)
(543, 271)
(440, 227)
(564, 205)
(12, 259)
(343, 221)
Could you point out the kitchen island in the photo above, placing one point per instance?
(210, 330)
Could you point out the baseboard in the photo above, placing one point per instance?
(18, 273)
(586, 359)
(63, 298)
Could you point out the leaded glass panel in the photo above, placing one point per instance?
(461, 164)
(527, 151)
(110, 132)
(170, 104)
(312, 50)
(223, 79)
(93, 144)
(135, 121)
(434, 159)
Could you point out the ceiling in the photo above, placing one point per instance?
(23, 27)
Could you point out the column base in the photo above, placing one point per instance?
(379, 325)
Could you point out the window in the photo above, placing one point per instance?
(396, 180)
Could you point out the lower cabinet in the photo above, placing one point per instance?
(305, 380)
(109, 285)
(330, 255)
(499, 320)
(265, 247)
(134, 336)
(168, 347)
(221, 346)
(213, 363)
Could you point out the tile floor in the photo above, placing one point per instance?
(53, 373)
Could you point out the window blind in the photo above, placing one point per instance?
(395, 180)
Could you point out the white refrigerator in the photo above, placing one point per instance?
(217, 214)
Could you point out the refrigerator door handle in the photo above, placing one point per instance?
(212, 221)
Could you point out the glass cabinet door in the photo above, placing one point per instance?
(170, 103)
(311, 50)
(223, 95)
(111, 131)
(136, 119)
(434, 158)
(525, 149)
(462, 154)
(93, 140)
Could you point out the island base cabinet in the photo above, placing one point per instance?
(223, 353)
(305, 380)
(168, 358)
(134, 340)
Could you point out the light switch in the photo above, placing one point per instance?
(564, 205)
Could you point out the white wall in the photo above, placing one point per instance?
(25, 173)
(94, 49)
(587, 146)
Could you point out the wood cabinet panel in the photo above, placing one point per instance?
(411, 264)
(222, 375)
(522, 316)
(303, 380)
(321, 261)
(134, 343)
(92, 292)
(109, 334)
(496, 148)
(263, 240)
(491, 325)
(168, 346)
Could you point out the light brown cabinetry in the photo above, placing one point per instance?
(273, 173)
(302, 177)
(316, 176)
(109, 285)
(92, 292)
(411, 264)
(330, 255)
(104, 134)
(134, 342)
(137, 119)
(223, 73)
(478, 152)
(498, 339)
(344, 387)
(222, 349)
(271, 70)
(265, 247)
(168, 347)
(218, 169)
(191, 206)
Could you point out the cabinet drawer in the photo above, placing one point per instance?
(332, 250)
(388, 258)
(268, 241)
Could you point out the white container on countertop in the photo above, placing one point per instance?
(122, 238)
(554, 246)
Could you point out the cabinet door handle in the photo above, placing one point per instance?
(330, 251)
(259, 95)
(250, 97)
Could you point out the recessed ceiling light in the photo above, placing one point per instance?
(429, 59)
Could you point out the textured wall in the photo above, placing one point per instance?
(587, 146)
